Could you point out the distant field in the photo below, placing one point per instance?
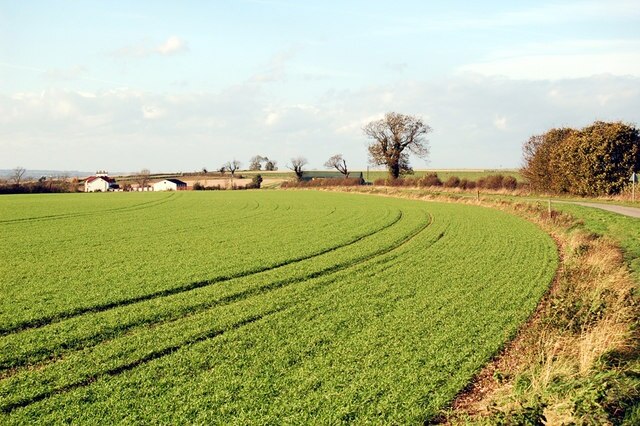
(274, 178)
(254, 306)
(372, 175)
(278, 174)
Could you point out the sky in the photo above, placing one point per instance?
(178, 86)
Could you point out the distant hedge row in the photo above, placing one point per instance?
(595, 160)
(38, 188)
(256, 183)
(323, 182)
(493, 182)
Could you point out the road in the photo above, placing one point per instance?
(624, 210)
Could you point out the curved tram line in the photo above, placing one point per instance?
(40, 322)
(161, 352)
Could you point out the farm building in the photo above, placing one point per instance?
(313, 175)
(169, 185)
(100, 183)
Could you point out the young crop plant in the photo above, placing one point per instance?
(255, 307)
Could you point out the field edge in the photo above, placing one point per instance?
(600, 348)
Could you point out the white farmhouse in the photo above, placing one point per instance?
(169, 185)
(100, 183)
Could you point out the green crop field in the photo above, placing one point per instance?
(254, 307)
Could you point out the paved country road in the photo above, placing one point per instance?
(624, 210)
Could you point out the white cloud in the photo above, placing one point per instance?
(294, 120)
(554, 67)
(190, 130)
(562, 60)
(500, 122)
(172, 46)
(271, 118)
(354, 128)
(152, 112)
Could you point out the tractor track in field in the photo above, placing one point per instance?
(8, 367)
(263, 212)
(8, 408)
(43, 321)
(139, 206)
(215, 333)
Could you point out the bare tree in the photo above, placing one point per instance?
(17, 174)
(338, 163)
(297, 164)
(143, 178)
(394, 137)
(232, 166)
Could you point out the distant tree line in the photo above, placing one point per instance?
(17, 184)
(321, 183)
(36, 188)
(258, 162)
(595, 160)
(393, 138)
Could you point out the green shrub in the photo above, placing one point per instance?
(256, 182)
